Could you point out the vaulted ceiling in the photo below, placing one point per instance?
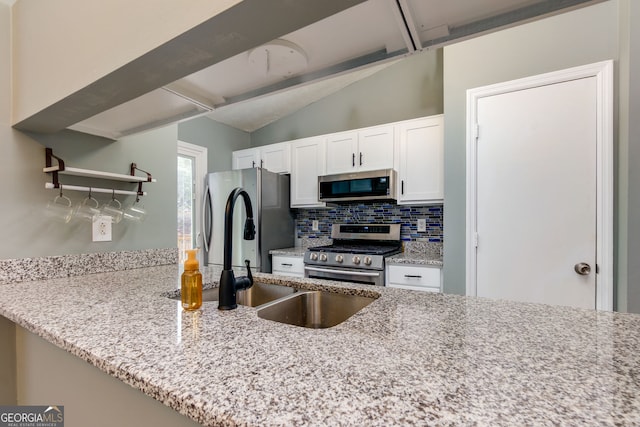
(258, 86)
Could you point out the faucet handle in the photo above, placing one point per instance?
(249, 275)
(245, 282)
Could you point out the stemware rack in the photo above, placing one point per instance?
(62, 169)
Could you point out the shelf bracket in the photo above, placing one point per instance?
(134, 168)
(48, 163)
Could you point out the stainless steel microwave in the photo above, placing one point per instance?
(348, 187)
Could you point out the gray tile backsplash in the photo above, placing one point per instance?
(373, 212)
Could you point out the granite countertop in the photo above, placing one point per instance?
(415, 258)
(296, 251)
(409, 358)
(411, 258)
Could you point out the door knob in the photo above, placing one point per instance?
(582, 268)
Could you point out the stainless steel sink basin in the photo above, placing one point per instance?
(258, 294)
(262, 293)
(314, 309)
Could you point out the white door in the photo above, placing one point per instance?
(539, 174)
(192, 168)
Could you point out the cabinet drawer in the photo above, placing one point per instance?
(288, 266)
(412, 277)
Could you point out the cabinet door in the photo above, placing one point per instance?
(288, 266)
(342, 152)
(375, 148)
(421, 170)
(307, 163)
(419, 278)
(245, 159)
(276, 157)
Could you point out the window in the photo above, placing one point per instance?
(192, 168)
(186, 202)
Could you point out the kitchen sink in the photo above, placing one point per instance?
(262, 293)
(258, 294)
(314, 309)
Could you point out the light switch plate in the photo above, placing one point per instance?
(315, 226)
(422, 224)
(101, 229)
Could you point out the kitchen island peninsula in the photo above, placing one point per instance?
(408, 358)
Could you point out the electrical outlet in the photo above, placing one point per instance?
(315, 226)
(422, 224)
(101, 228)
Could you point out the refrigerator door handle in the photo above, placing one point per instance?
(206, 205)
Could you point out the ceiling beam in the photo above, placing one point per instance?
(244, 26)
(516, 17)
(407, 24)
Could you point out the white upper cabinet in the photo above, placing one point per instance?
(421, 161)
(362, 150)
(274, 157)
(245, 159)
(414, 148)
(307, 164)
(375, 148)
(341, 152)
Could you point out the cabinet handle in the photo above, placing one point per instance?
(402, 187)
(253, 163)
(286, 264)
(360, 158)
(413, 276)
(261, 163)
(353, 160)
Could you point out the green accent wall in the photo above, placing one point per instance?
(405, 90)
(570, 39)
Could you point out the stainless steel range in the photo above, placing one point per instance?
(356, 255)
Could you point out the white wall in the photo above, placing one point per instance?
(574, 38)
(5, 64)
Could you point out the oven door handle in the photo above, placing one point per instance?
(353, 273)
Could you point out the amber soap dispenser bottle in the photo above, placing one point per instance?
(191, 289)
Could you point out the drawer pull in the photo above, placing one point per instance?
(286, 264)
(413, 276)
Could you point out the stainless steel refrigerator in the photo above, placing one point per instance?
(269, 194)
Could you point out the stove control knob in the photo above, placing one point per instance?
(356, 260)
(367, 260)
(323, 257)
(339, 258)
(313, 256)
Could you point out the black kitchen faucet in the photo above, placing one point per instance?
(229, 284)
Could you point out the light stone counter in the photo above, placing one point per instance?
(295, 251)
(409, 358)
(414, 258)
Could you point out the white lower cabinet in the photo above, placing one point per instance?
(287, 265)
(414, 277)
